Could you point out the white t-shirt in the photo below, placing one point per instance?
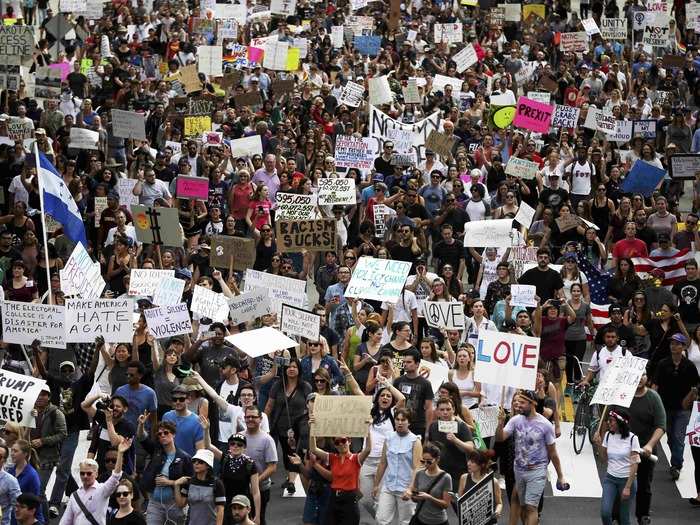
(404, 306)
(581, 175)
(602, 363)
(233, 421)
(619, 450)
(422, 292)
(568, 282)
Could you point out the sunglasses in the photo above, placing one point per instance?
(87, 473)
(341, 441)
(350, 258)
(179, 399)
(162, 433)
(110, 460)
(320, 381)
(426, 461)
(122, 494)
(235, 444)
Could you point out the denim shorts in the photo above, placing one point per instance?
(530, 485)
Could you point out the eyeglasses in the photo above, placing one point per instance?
(426, 461)
(122, 494)
(161, 433)
(251, 417)
(246, 395)
(350, 258)
(320, 381)
(235, 444)
(266, 230)
(340, 441)
(309, 343)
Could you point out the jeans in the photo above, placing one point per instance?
(63, 472)
(164, 513)
(612, 489)
(676, 423)
(367, 472)
(390, 505)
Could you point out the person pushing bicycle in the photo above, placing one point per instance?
(603, 358)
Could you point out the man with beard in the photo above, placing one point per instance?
(548, 282)
(240, 510)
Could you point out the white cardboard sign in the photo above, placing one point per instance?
(168, 321)
(378, 279)
(144, 281)
(209, 304)
(22, 323)
(441, 314)
(620, 381)
(303, 323)
(507, 359)
(110, 318)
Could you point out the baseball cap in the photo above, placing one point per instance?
(66, 363)
(240, 500)
(614, 309)
(239, 438)
(679, 338)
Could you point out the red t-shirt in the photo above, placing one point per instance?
(630, 248)
(346, 473)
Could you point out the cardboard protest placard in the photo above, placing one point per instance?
(168, 321)
(197, 125)
(440, 144)
(448, 427)
(246, 146)
(620, 381)
(128, 124)
(565, 116)
(81, 275)
(248, 306)
(19, 396)
(525, 214)
(380, 123)
(598, 120)
(296, 321)
(643, 178)
(487, 417)
(341, 416)
(684, 165)
(533, 10)
(231, 79)
(100, 206)
(125, 188)
(311, 235)
(522, 168)
(436, 373)
(352, 152)
(576, 42)
(533, 115)
(507, 359)
(280, 289)
(352, 94)
(189, 77)
(367, 44)
(489, 234)
(448, 33)
(441, 314)
(539, 96)
(145, 281)
(22, 323)
(656, 32)
(674, 60)
(81, 138)
(157, 225)
(250, 99)
(378, 279)
(336, 191)
(380, 91)
(223, 247)
(282, 87)
(16, 41)
(255, 343)
(476, 505)
(169, 291)
(337, 34)
(210, 60)
(87, 319)
(693, 429)
(411, 95)
(613, 28)
(622, 132)
(283, 7)
(199, 106)
(522, 295)
(591, 27)
(394, 15)
(207, 303)
(566, 223)
(294, 207)
(192, 187)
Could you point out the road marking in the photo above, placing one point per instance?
(686, 482)
(580, 471)
(299, 493)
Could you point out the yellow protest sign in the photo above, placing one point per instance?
(534, 9)
(10, 21)
(197, 125)
(293, 56)
(85, 65)
(470, 2)
(341, 416)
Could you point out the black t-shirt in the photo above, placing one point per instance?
(133, 518)
(99, 446)
(67, 395)
(555, 199)
(236, 473)
(673, 384)
(77, 83)
(688, 297)
(403, 253)
(450, 254)
(546, 283)
(626, 334)
(383, 166)
(647, 235)
(417, 390)
(453, 458)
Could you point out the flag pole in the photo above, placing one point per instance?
(43, 221)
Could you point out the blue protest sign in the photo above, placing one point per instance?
(368, 44)
(642, 178)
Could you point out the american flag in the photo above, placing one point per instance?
(600, 315)
(673, 266)
(597, 281)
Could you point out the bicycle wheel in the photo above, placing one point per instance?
(593, 421)
(581, 421)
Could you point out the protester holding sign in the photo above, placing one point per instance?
(477, 469)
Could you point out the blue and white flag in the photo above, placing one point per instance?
(58, 201)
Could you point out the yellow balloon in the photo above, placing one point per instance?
(503, 117)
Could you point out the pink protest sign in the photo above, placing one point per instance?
(533, 115)
(64, 67)
(192, 188)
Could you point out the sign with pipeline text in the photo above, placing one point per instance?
(507, 359)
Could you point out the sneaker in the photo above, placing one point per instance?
(645, 520)
(53, 512)
(675, 473)
(694, 502)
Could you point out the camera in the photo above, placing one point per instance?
(103, 404)
(556, 303)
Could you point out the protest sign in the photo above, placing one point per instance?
(539, 96)
(693, 429)
(448, 33)
(620, 381)
(295, 207)
(251, 98)
(197, 125)
(533, 10)
(157, 225)
(81, 138)
(566, 223)
(210, 60)
(367, 44)
(16, 41)
(576, 42)
(125, 188)
(378, 279)
(487, 417)
(598, 120)
(380, 124)
(337, 37)
(436, 373)
(589, 24)
(565, 116)
(224, 247)
(522, 295)
(192, 187)
(692, 13)
(440, 143)
(19, 393)
(168, 321)
(336, 191)
(352, 152)
(255, 343)
(476, 505)
(21, 129)
(282, 87)
(440, 81)
(441, 314)
(489, 234)
(380, 91)
(622, 132)
(246, 146)
(169, 291)
(684, 165)
(613, 28)
(128, 124)
(296, 321)
(411, 95)
(656, 32)
(522, 168)
(448, 426)
(248, 306)
(341, 416)
(525, 214)
(643, 178)
(312, 235)
(237, 12)
(280, 289)
(520, 256)
(351, 95)
(87, 319)
(283, 7)
(189, 78)
(512, 12)
(533, 115)
(507, 359)
(100, 206)
(199, 106)
(381, 213)
(674, 60)
(145, 282)
(207, 303)
(81, 275)
(22, 323)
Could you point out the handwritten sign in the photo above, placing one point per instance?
(168, 321)
(81, 276)
(644, 128)
(128, 124)
(487, 418)
(567, 223)
(522, 168)
(507, 359)
(169, 291)
(533, 115)
(312, 235)
(685, 165)
(476, 506)
(440, 143)
(693, 429)
(246, 146)
(489, 234)
(522, 295)
(441, 314)
(598, 120)
(210, 304)
(352, 152)
(351, 95)
(620, 381)
(380, 91)
(192, 187)
(576, 42)
(16, 41)
(303, 323)
(525, 214)
(145, 281)
(248, 306)
(22, 323)
(589, 24)
(368, 44)
(448, 33)
(83, 138)
(19, 395)
(378, 279)
(224, 247)
(110, 318)
(100, 206)
(411, 95)
(280, 289)
(157, 225)
(448, 427)
(341, 416)
(656, 32)
(197, 125)
(295, 207)
(565, 116)
(336, 191)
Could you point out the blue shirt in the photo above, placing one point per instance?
(9, 490)
(434, 196)
(327, 362)
(28, 482)
(189, 431)
(143, 398)
(165, 494)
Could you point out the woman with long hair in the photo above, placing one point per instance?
(26, 463)
(462, 375)
(204, 494)
(20, 287)
(575, 338)
(620, 218)
(117, 359)
(624, 283)
(602, 208)
(452, 282)
(428, 352)
(431, 489)
(164, 378)
(477, 322)
(571, 275)
(662, 220)
(258, 214)
(367, 354)
(120, 265)
(239, 199)
(402, 343)
(477, 469)
(125, 514)
(663, 324)
(636, 316)
(593, 249)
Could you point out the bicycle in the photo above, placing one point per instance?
(586, 418)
